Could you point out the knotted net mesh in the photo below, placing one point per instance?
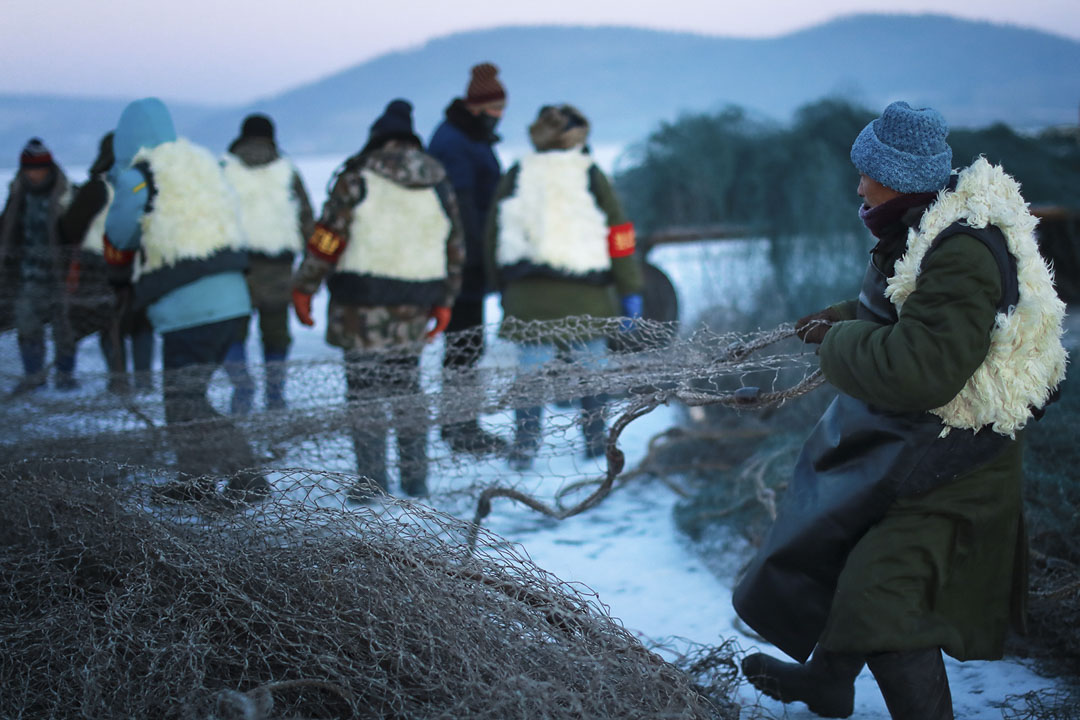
(113, 608)
(223, 564)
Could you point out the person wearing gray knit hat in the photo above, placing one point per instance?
(905, 149)
(901, 533)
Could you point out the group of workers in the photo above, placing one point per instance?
(902, 532)
(409, 242)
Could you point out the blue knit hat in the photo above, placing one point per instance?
(905, 149)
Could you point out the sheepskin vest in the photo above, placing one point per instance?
(396, 250)
(1026, 360)
(94, 239)
(552, 224)
(191, 227)
(269, 211)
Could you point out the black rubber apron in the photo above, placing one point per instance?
(857, 461)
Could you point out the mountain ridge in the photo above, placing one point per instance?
(629, 80)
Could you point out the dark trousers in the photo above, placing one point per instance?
(37, 304)
(205, 442)
(464, 348)
(273, 329)
(113, 341)
(375, 380)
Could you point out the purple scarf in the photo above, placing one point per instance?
(882, 220)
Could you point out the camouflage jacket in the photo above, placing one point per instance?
(375, 305)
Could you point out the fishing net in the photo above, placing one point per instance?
(113, 607)
(446, 431)
(316, 595)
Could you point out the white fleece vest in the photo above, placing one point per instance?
(94, 239)
(552, 219)
(1026, 360)
(194, 213)
(269, 210)
(397, 232)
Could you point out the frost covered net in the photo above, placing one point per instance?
(126, 601)
(570, 408)
(115, 609)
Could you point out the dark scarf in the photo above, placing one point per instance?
(882, 220)
(474, 126)
(254, 151)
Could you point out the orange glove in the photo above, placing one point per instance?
(72, 281)
(441, 314)
(302, 304)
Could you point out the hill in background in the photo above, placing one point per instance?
(629, 80)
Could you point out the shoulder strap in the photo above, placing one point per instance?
(994, 240)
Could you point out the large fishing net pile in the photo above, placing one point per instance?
(119, 601)
(111, 608)
(1052, 502)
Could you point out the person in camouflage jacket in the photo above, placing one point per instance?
(389, 244)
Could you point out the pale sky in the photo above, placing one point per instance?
(236, 51)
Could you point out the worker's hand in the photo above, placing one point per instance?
(441, 315)
(812, 328)
(302, 304)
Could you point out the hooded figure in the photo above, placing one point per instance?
(558, 245)
(275, 213)
(464, 144)
(389, 245)
(901, 534)
(174, 225)
(34, 260)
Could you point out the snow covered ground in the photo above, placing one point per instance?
(628, 549)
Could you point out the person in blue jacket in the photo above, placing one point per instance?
(463, 143)
(174, 222)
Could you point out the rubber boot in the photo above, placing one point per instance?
(112, 350)
(33, 360)
(184, 490)
(913, 683)
(243, 387)
(526, 437)
(142, 356)
(275, 379)
(826, 683)
(468, 437)
(247, 487)
(369, 445)
(65, 373)
(412, 463)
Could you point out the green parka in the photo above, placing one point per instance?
(947, 568)
(546, 296)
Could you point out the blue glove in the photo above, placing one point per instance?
(631, 310)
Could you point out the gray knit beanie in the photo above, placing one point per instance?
(905, 149)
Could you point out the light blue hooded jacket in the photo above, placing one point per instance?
(211, 298)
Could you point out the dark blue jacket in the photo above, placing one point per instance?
(464, 146)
